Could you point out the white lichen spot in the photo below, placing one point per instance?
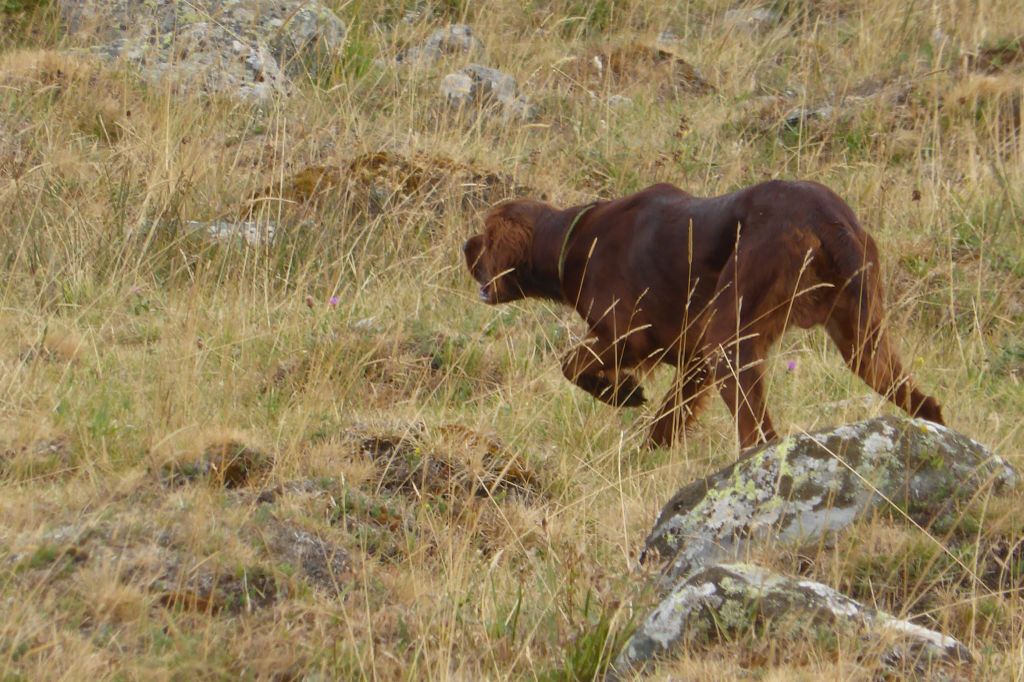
(876, 446)
(812, 523)
(909, 629)
(847, 431)
(665, 624)
(839, 605)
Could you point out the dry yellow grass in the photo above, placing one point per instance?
(123, 345)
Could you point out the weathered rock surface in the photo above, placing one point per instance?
(730, 600)
(892, 94)
(478, 86)
(467, 464)
(803, 487)
(236, 47)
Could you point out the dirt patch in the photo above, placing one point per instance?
(452, 461)
(381, 527)
(382, 180)
(324, 564)
(229, 463)
(998, 56)
(208, 591)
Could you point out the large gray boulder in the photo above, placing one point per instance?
(244, 48)
(727, 601)
(800, 488)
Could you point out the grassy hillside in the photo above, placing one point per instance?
(323, 456)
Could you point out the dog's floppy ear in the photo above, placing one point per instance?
(509, 241)
(508, 236)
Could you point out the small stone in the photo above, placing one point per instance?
(751, 20)
(487, 88)
(251, 232)
(457, 88)
(453, 39)
(798, 118)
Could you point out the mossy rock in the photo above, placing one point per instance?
(801, 488)
(742, 603)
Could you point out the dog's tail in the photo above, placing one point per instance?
(857, 323)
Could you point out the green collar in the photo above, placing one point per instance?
(565, 241)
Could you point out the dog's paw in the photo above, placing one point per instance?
(597, 386)
(629, 394)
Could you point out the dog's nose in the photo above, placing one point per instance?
(465, 246)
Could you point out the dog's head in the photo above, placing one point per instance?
(500, 259)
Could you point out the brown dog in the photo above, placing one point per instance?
(705, 285)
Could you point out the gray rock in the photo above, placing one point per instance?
(457, 88)
(252, 232)
(244, 48)
(486, 88)
(255, 233)
(803, 487)
(751, 19)
(729, 600)
(800, 117)
(454, 39)
(842, 104)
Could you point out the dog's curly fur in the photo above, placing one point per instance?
(703, 284)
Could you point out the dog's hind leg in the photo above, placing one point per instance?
(755, 299)
(736, 368)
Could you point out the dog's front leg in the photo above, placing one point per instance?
(683, 403)
(597, 369)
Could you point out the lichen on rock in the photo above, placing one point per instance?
(486, 88)
(245, 48)
(803, 487)
(731, 600)
(449, 40)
